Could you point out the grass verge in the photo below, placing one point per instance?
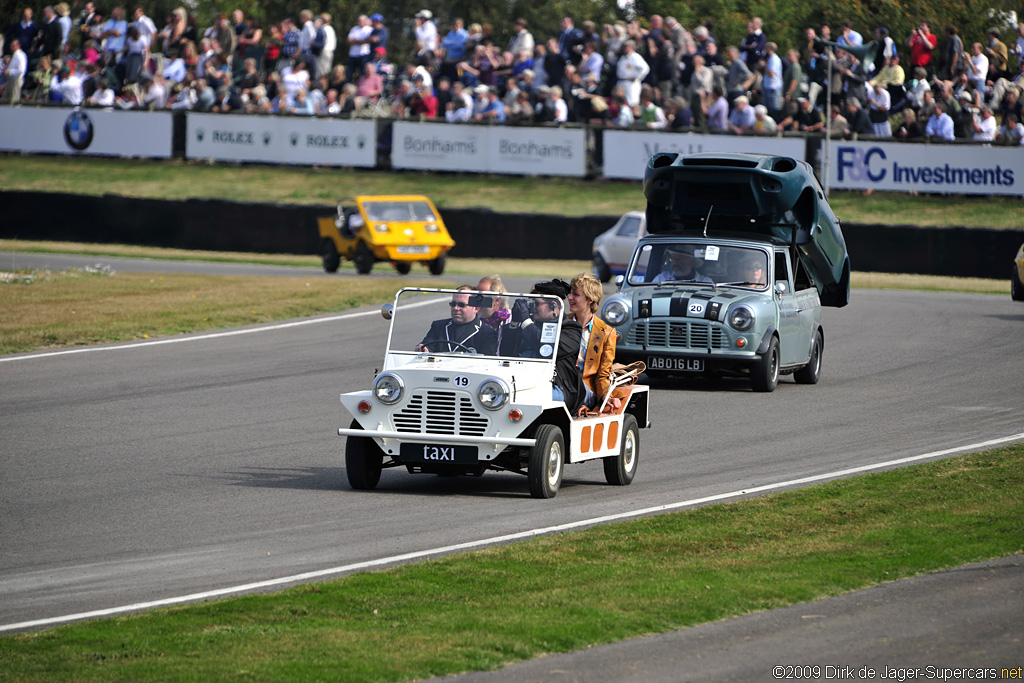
(177, 179)
(480, 610)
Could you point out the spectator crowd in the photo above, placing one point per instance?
(653, 73)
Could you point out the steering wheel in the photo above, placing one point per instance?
(428, 342)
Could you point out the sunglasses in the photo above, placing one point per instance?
(460, 304)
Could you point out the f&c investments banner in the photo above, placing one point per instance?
(956, 169)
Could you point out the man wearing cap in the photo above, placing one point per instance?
(741, 119)
(379, 35)
(521, 38)
(493, 109)
(681, 266)
(359, 45)
(426, 31)
(630, 70)
(997, 54)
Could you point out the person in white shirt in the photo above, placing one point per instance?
(70, 87)
(330, 44)
(307, 32)
(984, 125)
(145, 25)
(175, 70)
(630, 70)
(104, 95)
(561, 108)
(977, 67)
(359, 45)
(16, 69)
(426, 31)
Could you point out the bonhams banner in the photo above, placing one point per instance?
(66, 130)
(957, 169)
(489, 149)
(281, 139)
(626, 152)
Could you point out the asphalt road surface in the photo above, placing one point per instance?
(143, 472)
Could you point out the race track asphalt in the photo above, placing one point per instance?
(141, 472)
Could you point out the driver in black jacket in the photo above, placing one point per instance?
(463, 332)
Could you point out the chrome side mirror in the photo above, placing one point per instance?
(387, 311)
(781, 287)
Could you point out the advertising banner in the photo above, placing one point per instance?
(626, 152)
(66, 130)
(489, 149)
(957, 169)
(281, 139)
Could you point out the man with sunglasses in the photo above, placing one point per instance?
(463, 332)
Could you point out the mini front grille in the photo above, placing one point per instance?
(440, 412)
(671, 334)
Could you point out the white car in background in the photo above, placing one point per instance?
(614, 247)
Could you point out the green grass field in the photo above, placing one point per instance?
(480, 610)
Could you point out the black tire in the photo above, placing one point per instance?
(764, 374)
(363, 461)
(363, 258)
(601, 270)
(436, 266)
(811, 373)
(620, 469)
(547, 462)
(329, 254)
(403, 267)
(1016, 286)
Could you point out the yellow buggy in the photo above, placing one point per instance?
(401, 229)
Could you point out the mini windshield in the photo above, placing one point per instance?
(399, 211)
(443, 322)
(700, 262)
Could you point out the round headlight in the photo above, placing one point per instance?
(430, 227)
(741, 318)
(380, 227)
(388, 388)
(493, 394)
(615, 312)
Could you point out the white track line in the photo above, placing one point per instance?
(213, 335)
(495, 540)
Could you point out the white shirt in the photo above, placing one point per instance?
(103, 98)
(988, 128)
(71, 89)
(157, 95)
(361, 33)
(175, 71)
(18, 65)
(980, 72)
(293, 80)
(561, 111)
(427, 32)
(147, 29)
(331, 40)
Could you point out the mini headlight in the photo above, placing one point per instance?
(741, 318)
(492, 394)
(430, 227)
(615, 312)
(380, 227)
(388, 388)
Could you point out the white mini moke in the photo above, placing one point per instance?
(439, 406)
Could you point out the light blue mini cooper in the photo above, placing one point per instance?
(743, 252)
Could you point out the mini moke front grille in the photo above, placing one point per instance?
(440, 412)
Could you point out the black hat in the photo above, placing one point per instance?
(556, 287)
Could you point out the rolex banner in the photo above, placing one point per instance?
(281, 139)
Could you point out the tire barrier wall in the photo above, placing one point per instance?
(278, 228)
